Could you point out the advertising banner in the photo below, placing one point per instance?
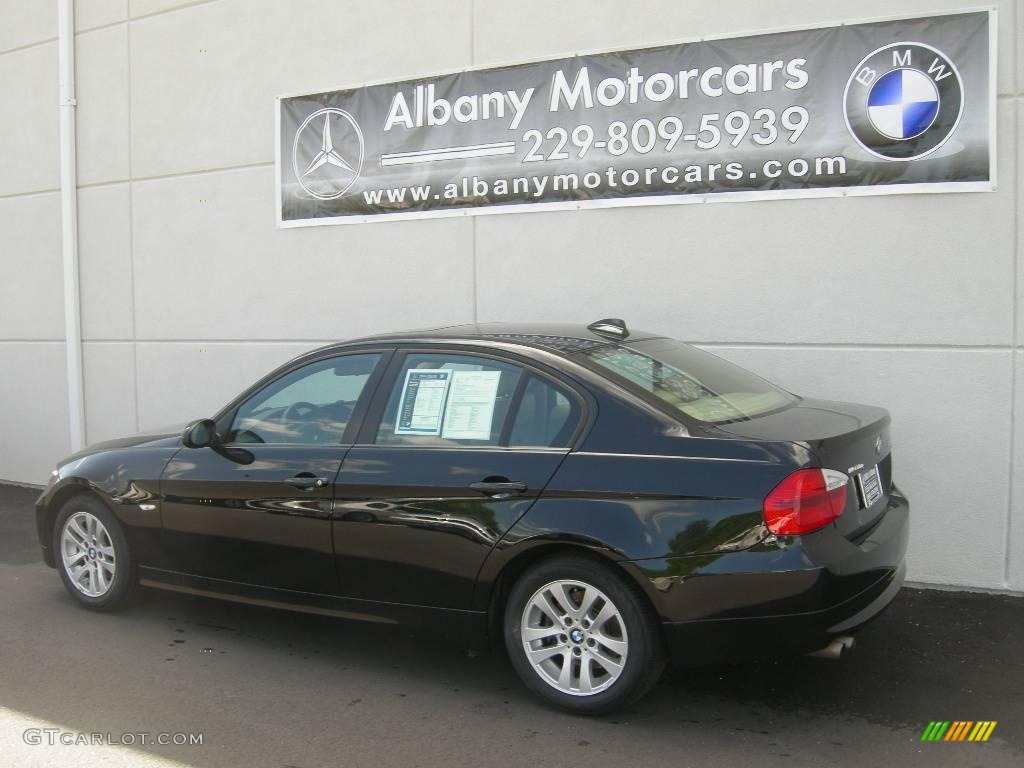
(889, 106)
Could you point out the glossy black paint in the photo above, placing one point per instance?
(409, 529)
(243, 522)
(126, 474)
(399, 534)
(841, 436)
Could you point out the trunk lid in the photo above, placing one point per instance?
(849, 437)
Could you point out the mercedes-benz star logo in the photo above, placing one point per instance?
(333, 141)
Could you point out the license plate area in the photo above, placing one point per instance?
(869, 487)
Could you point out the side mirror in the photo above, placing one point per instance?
(200, 434)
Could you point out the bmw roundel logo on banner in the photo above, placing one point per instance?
(903, 101)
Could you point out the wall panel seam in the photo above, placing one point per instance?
(165, 11)
(111, 183)
(709, 344)
(855, 346)
(201, 171)
(33, 193)
(474, 265)
(131, 234)
(99, 27)
(472, 32)
(1015, 330)
(25, 47)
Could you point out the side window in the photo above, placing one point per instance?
(547, 416)
(449, 400)
(311, 405)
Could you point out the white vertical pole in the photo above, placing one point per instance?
(69, 221)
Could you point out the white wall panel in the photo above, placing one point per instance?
(221, 270)
(904, 301)
(544, 29)
(109, 390)
(179, 382)
(1019, 34)
(97, 13)
(31, 286)
(146, 7)
(921, 269)
(105, 262)
(1015, 548)
(1019, 218)
(24, 23)
(33, 410)
(194, 110)
(950, 438)
(101, 80)
(28, 133)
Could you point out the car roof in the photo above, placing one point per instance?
(561, 338)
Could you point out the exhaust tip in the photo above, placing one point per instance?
(836, 648)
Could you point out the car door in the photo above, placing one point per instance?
(456, 448)
(256, 508)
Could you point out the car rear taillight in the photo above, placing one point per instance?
(805, 501)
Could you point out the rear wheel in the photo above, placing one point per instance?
(580, 637)
(92, 554)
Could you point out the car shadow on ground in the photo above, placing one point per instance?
(932, 655)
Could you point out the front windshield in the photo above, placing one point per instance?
(691, 381)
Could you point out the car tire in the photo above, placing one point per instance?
(92, 554)
(574, 609)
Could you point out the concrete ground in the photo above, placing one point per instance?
(278, 689)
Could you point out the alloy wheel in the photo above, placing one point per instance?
(575, 637)
(87, 553)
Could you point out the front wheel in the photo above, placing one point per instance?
(92, 554)
(580, 637)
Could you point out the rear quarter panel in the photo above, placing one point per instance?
(695, 500)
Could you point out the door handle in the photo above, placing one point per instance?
(499, 489)
(307, 482)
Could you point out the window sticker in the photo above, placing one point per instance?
(422, 403)
(471, 405)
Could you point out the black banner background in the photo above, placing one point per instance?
(785, 113)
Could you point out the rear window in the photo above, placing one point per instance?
(692, 382)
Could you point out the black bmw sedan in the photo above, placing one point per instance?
(600, 500)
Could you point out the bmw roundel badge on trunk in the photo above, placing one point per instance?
(903, 101)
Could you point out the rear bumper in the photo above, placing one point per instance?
(789, 596)
(718, 641)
